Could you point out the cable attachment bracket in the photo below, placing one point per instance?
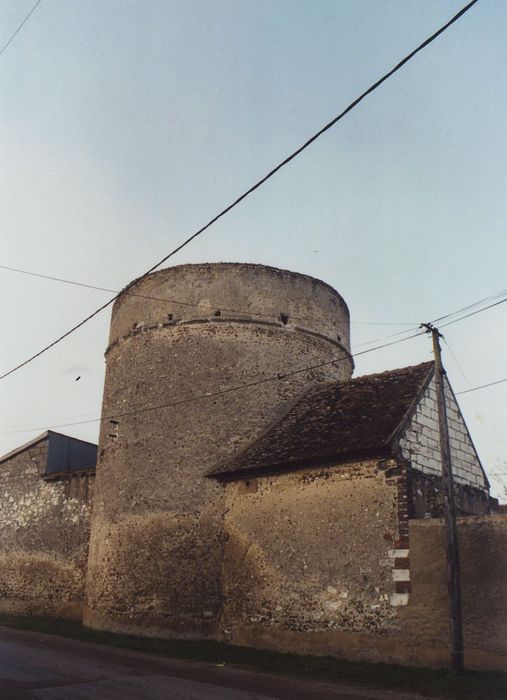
(430, 328)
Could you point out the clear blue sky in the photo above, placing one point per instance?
(127, 124)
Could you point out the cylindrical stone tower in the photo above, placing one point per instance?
(182, 336)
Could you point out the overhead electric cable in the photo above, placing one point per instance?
(456, 362)
(258, 184)
(16, 32)
(482, 386)
(413, 326)
(385, 337)
(252, 312)
(213, 394)
(491, 297)
(449, 315)
(473, 313)
(354, 354)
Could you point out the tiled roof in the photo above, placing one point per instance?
(339, 421)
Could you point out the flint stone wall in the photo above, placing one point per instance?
(179, 342)
(44, 534)
(310, 559)
(327, 562)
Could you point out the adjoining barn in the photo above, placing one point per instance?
(321, 551)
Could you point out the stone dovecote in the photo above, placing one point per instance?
(184, 332)
(248, 490)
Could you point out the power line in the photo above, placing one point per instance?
(503, 293)
(16, 32)
(492, 297)
(355, 354)
(470, 388)
(258, 184)
(482, 386)
(278, 376)
(456, 362)
(473, 313)
(213, 394)
(260, 313)
(185, 303)
(449, 315)
(385, 337)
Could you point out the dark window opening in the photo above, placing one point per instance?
(284, 319)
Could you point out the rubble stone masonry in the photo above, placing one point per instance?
(316, 561)
(157, 535)
(327, 561)
(44, 532)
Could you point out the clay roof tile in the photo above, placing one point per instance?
(334, 422)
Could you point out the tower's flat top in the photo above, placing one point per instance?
(239, 266)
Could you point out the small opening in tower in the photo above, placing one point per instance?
(339, 337)
(284, 319)
(169, 317)
(218, 312)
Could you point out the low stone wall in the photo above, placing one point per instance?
(483, 557)
(44, 533)
(426, 497)
(327, 562)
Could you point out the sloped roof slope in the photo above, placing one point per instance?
(336, 421)
(24, 446)
(65, 453)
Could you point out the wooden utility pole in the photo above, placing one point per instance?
(451, 534)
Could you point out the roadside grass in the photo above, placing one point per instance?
(473, 685)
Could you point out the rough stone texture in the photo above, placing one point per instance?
(235, 290)
(44, 533)
(420, 442)
(311, 552)
(483, 557)
(157, 534)
(322, 559)
(341, 571)
(426, 497)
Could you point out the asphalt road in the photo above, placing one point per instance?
(43, 667)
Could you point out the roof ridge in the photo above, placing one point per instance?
(385, 373)
(394, 371)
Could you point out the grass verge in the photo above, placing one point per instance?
(473, 685)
